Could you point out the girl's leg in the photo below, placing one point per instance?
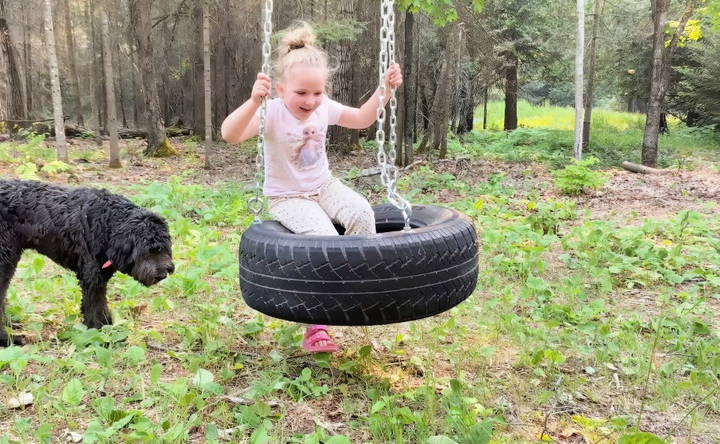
(301, 215)
(305, 216)
(347, 207)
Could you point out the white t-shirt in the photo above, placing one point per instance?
(295, 157)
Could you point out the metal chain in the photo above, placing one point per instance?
(256, 203)
(387, 156)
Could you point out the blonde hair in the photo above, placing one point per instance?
(297, 46)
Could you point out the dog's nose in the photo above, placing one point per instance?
(171, 268)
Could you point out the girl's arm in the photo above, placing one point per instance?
(363, 117)
(243, 123)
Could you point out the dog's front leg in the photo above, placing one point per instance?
(7, 269)
(94, 302)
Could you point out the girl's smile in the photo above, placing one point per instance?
(302, 89)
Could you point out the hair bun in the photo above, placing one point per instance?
(300, 36)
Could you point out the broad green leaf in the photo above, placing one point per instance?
(73, 392)
(377, 407)
(641, 438)
(135, 355)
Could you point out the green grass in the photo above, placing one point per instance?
(549, 331)
(577, 325)
(546, 134)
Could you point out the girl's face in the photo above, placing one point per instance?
(302, 88)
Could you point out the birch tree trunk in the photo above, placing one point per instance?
(140, 21)
(662, 65)
(112, 122)
(74, 79)
(590, 93)
(208, 84)
(55, 83)
(579, 81)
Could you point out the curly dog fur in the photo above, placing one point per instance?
(89, 231)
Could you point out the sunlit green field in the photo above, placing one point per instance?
(546, 133)
(562, 118)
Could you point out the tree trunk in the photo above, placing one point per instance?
(511, 93)
(116, 58)
(74, 79)
(410, 90)
(418, 87)
(112, 123)
(662, 65)
(11, 88)
(135, 89)
(197, 73)
(466, 106)
(443, 94)
(208, 84)
(55, 83)
(344, 139)
(140, 19)
(27, 55)
(485, 106)
(579, 81)
(94, 105)
(590, 94)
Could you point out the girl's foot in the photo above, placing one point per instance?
(317, 340)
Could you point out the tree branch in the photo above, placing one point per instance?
(175, 15)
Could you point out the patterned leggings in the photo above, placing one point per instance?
(315, 213)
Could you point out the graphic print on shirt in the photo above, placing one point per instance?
(307, 148)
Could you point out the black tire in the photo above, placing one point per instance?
(390, 277)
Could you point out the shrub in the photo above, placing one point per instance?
(577, 177)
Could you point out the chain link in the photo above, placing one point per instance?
(387, 153)
(256, 203)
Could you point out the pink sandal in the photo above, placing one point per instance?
(315, 334)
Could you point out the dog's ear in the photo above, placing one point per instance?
(156, 230)
(122, 253)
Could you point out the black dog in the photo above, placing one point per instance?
(91, 232)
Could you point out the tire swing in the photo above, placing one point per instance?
(423, 261)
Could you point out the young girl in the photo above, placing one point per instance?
(302, 193)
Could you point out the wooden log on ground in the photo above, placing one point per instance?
(130, 133)
(25, 121)
(642, 169)
(49, 129)
(46, 127)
